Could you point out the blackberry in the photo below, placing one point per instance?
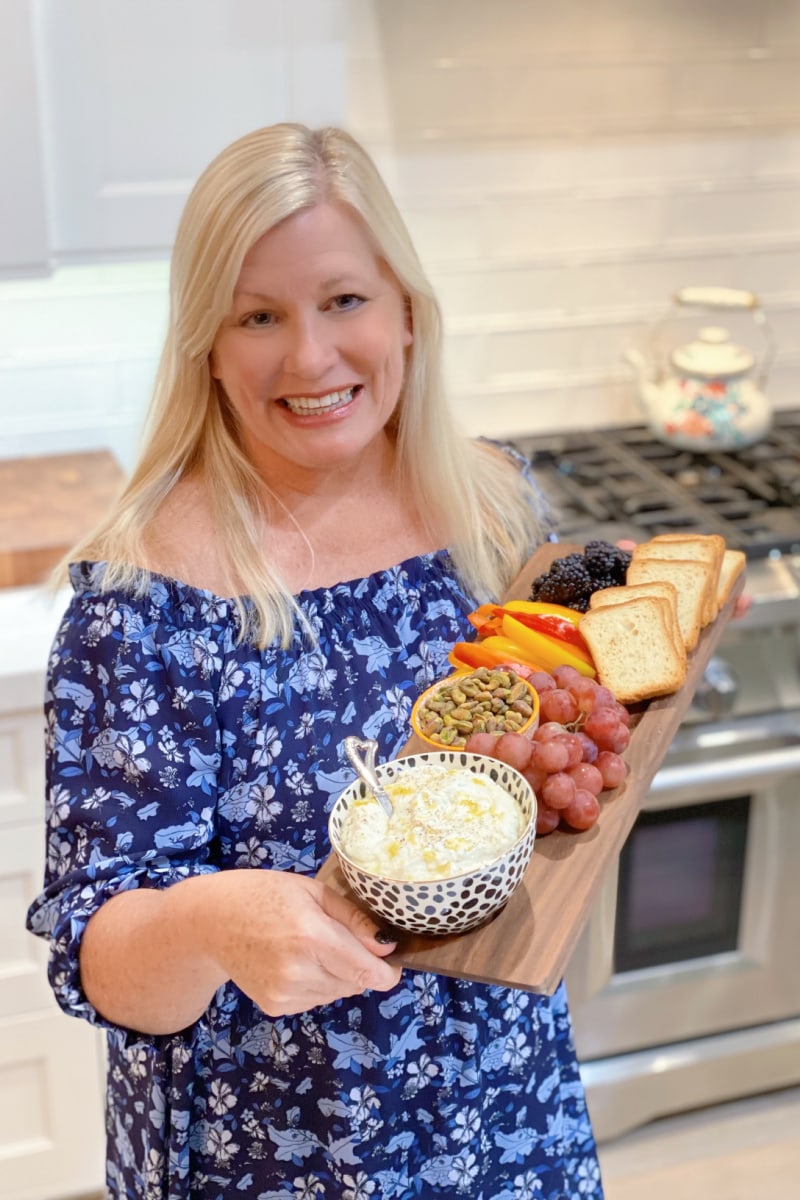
(607, 564)
(568, 582)
(573, 579)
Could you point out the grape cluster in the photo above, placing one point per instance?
(572, 579)
(575, 753)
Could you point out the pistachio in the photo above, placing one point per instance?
(490, 701)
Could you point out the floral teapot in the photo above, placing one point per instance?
(711, 396)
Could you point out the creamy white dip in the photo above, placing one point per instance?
(446, 821)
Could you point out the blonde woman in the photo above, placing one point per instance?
(291, 561)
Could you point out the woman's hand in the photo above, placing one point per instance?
(152, 959)
(290, 942)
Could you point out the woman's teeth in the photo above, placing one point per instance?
(319, 404)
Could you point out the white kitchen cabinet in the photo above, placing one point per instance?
(52, 1139)
(114, 108)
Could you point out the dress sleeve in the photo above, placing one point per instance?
(132, 760)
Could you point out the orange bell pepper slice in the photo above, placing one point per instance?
(493, 651)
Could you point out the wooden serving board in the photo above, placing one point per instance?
(529, 943)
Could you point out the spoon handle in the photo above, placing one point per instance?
(365, 767)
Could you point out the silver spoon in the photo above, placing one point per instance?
(365, 767)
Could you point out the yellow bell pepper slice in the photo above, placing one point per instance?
(535, 607)
(546, 650)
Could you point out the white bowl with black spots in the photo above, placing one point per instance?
(457, 903)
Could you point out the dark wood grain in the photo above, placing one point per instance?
(530, 942)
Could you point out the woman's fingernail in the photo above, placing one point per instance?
(384, 938)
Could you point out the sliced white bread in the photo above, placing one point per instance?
(655, 587)
(633, 648)
(707, 547)
(733, 563)
(690, 580)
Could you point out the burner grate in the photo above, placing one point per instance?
(632, 485)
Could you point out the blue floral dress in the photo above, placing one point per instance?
(175, 749)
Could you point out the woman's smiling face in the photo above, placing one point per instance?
(312, 354)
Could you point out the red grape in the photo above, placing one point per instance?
(584, 810)
(549, 756)
(549, 731)
(589, 747)
(514, 749)
(602, 726)
(612, 768)
(535, 777)
(565, 676)
(558, 790)
(574, 747)
(546, 819)
(542, 681)
(482, 743)
(587, 777)
(623, 714)
(558, 705)
(584, 689)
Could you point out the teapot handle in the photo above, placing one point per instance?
(716, 297)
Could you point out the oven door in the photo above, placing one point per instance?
(695, 930)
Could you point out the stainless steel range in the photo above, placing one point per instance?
(685, 988)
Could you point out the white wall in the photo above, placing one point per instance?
(564, 168)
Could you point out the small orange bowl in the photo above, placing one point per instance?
(449, 710)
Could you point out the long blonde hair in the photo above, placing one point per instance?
(463, 487)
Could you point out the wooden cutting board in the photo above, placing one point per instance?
(46, 505)
(529, 943)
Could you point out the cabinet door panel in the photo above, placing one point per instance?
(23, 980)
(21, 767)
(52, 1139)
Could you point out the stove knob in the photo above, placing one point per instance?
(718, 690)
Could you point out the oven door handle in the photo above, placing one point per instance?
(674, 785)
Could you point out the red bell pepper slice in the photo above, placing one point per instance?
(554, 626)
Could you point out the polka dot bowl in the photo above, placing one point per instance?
(460, 902)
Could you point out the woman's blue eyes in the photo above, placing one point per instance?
(348, 300)
(344, 303)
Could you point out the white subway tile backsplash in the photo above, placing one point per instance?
(755, 89)
(444, 168)
(572, 223)
(444, 233)
(738, 216)
(649, 280)
(580, 93)
(504, 291)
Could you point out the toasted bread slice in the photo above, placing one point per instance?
(689, 578)
(733, 563)
(655, 587)
(708, 547)
(633, 648)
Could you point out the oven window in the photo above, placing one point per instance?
(681, 878)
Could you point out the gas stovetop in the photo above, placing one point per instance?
(624, 483)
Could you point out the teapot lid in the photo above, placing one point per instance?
(712, 355)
